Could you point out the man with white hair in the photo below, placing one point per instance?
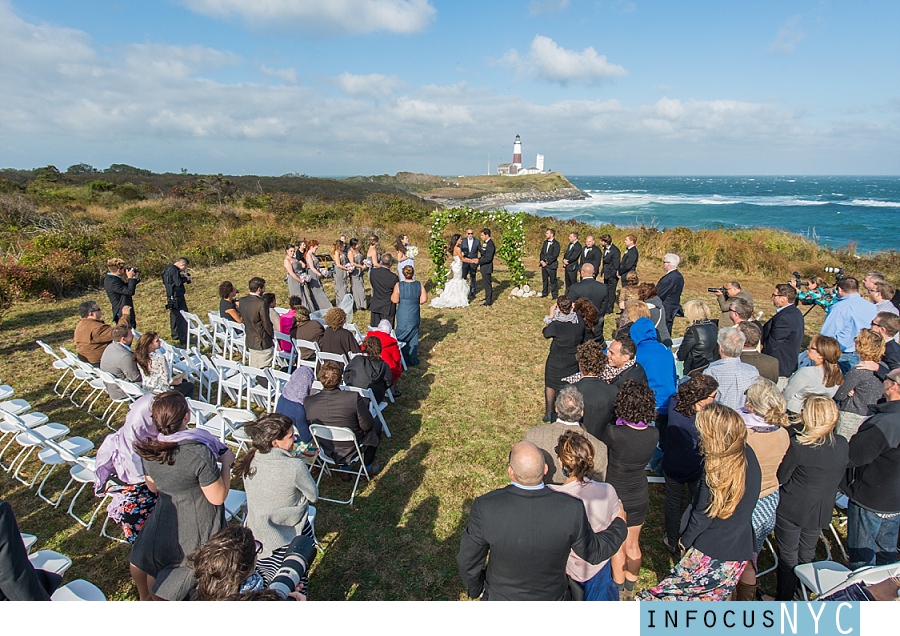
(529, 531)
(669, 288)
(734, 377)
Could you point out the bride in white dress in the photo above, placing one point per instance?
(456, 290)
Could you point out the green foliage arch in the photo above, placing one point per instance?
(510, 242)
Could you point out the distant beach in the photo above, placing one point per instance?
(830, 210)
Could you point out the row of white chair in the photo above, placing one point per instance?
(53, 561)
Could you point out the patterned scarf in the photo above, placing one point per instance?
(610, 373)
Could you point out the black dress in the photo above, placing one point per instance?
(224, 306)
(561, 362)
(629, 450)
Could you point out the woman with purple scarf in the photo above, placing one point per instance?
(295, 391)
(179, 465)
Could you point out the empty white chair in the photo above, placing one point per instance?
(230, 381)
(340, 358)
(15, 406)
(83, 473)
(6, 391)
(78, 590)
(259, 390)
(236, 505)
(28, 540)
(58, 363)
(29, 439)
(51, 561)
(54, 454)
(196, 329)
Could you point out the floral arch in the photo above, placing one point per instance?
(510, 248)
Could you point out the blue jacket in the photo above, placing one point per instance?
(658, 362)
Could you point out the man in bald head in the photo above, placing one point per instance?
(529, 530)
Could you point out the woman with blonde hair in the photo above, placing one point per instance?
(633, 310)
(809, 474)
(824, 377)
(602, 505)
(718, 535)
(700, 344)
(766, 420)
(861, 387)
(628, 291)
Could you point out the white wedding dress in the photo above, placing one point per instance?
(456, 291)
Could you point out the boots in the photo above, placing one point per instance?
(744, 592)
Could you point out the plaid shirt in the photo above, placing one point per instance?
(734, 377)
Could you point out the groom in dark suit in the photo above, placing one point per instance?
(549, 265)
(529, 530)
(609, 271)
(486, 264)
(571, 260)
(471, 248)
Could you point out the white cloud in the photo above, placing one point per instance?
(323, 16)
(548, 61)
(288, 75)
(541, 7)
(789, 36)
(373, 86)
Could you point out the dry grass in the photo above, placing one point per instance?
(477, 391)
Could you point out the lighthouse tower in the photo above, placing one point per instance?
(517, 153)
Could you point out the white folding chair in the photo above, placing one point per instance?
(235, 505)
(204, 370)
(400, 345)
(312, 363)
(83, 473)
(234, 420)
(78, 590)
(281, 356)
(198, 330)
(10, 425)
(6, 391)
(219, 333)
(54, 454)
(28, 540)
(133, 393)
(340, 358)
(331, 435)
(231, 379)
(237, 340)
(277, 380)
(50, 561)
(311, 517)
(259, 390)
(869, 574)
(352, 328)
(31, 438)
(375, 407)
(58, 363)
(16, 406)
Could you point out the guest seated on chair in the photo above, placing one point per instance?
(369, 371)
(336, 339)
(92, 335)
(306, 329)
(390, 352)
(823, 377)
(293, 397)
(154, 366)
(347, 409)
(229, 305)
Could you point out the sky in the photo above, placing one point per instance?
(347, 87)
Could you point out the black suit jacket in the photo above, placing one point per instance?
(347, 409)
(809, 478)
(121, 294)
(598, 404)
(550, 254)
(174, 281)
(573, 255)
(669, 290)
(529, 534)
(593, 255)
(782, 338)
(486, 260)
(383, 281)
(475, 252)
(257, 324)
(19, 581)
(636, 373)
(588, 288)
(611, 262)
(628, 262)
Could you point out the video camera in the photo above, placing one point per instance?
(299, 556)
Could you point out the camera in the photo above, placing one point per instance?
(837, 271)
(798, 280)
(714, 290)
(136, 271)
(299, 556)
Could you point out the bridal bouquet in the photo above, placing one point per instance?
(304, 278)
(412, 251)
(367, 262)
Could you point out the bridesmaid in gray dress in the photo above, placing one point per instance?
(342, 271)
(357, 284)
(317, 293)
(294, 268)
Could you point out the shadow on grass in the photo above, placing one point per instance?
(386, 547)
(47, 316)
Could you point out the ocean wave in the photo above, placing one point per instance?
(872, 203)
(633, 200)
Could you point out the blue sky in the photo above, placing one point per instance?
(341, 87)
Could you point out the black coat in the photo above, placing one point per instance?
(174, 281)
(628, 262)
(598, 404)
(346, 409)
(529, 534)
(873, 479)
(809, 478)
(636, 373)
(121, 294)
(573, 255)
(383, 281)
(589, 288)
(486, 260)
(699, 346)
(593, 255)
(611, 260)
(782, 338)
(550, 254)
(19, 581)
(669, 290)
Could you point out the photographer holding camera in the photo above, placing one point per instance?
(818, 292)
(724, 295)
(175, 278)
(120, 283)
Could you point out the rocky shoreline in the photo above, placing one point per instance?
(503, 199)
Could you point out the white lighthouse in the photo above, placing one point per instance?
(517, 152)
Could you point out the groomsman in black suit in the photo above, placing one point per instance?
(571, 260)
(609, 272)
(529, 531)
(471, 248)
(486, 264)
(629, 260)
(549, 264)
(591, 254)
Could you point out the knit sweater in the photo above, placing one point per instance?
(278, 496)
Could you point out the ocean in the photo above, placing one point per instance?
(833, 211)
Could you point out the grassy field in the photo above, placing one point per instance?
(478, 389)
